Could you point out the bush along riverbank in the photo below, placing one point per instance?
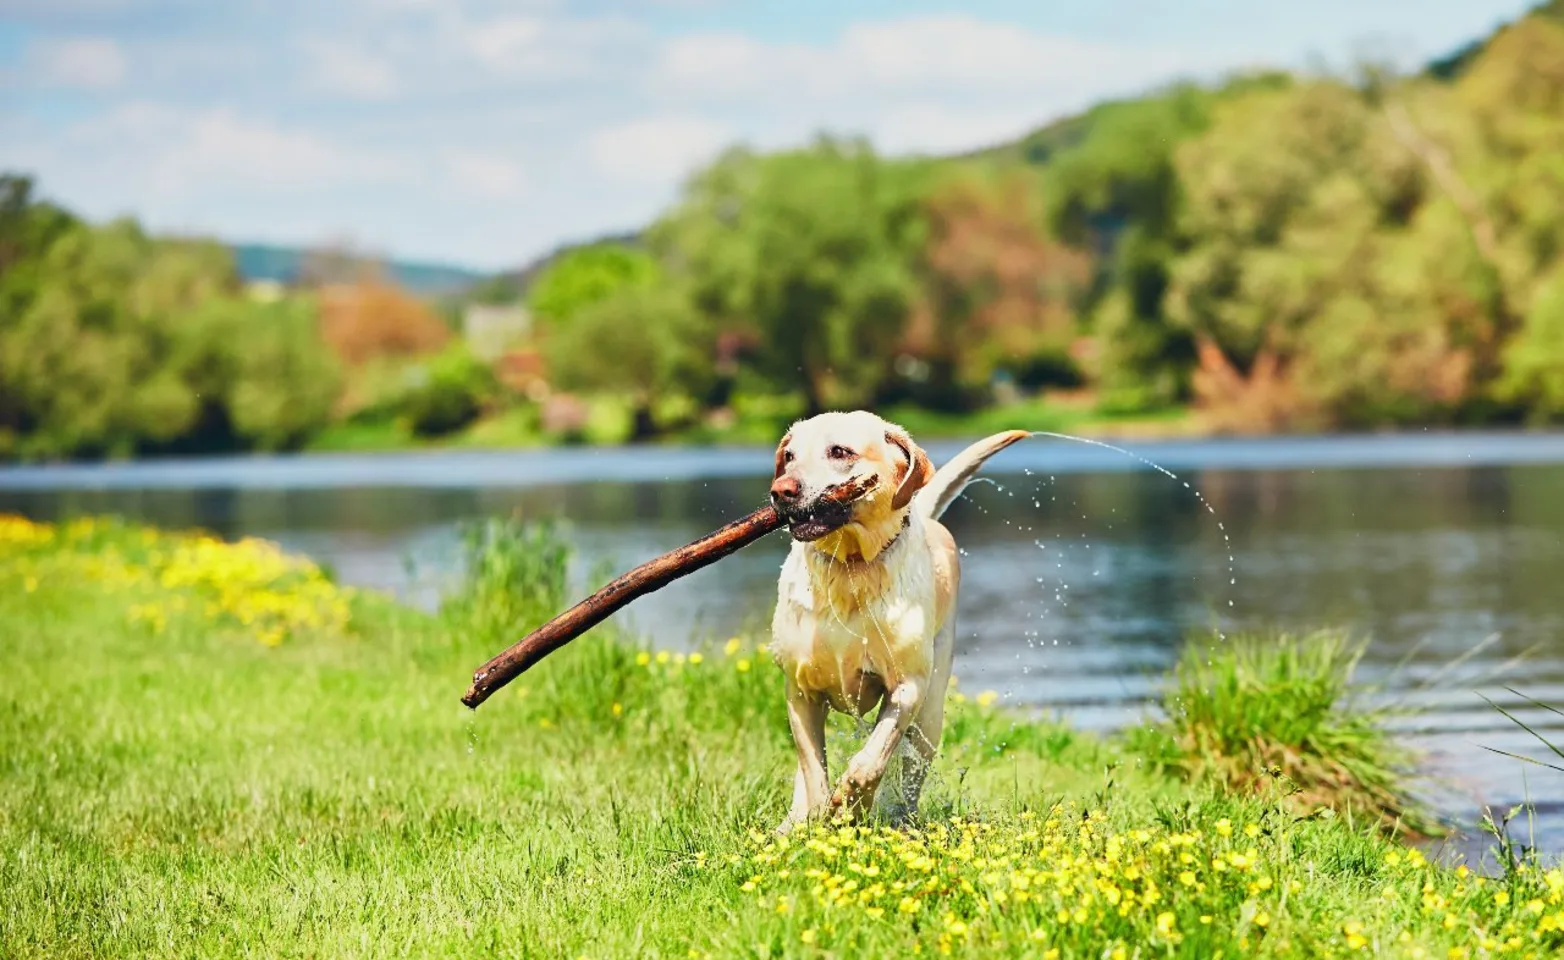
(212, 749)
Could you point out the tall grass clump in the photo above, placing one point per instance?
(1254, 713)
(514, 577)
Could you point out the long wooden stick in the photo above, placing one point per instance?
(649, 576)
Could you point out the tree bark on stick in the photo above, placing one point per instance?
(649, 576)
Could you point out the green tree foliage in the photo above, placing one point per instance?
(999, 294)
(1317, 236)
(452, 389)
(260, 372)
(1534, 360)
(1116, 190)
(813, 251)
(112, 342)
(644, 342)
(588, 275)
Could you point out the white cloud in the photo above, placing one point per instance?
(480, 174)
(967, 53)
(501, 43)
(952, 55)
(655, 150)
(88, 63)
(924, 127)
(187, 152)
(513, 47)
(342, 69)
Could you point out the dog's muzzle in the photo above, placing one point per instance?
(813, 520)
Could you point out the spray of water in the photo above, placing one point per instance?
(1227, 542)
(1061, 590)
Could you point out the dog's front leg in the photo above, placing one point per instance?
(867, 767)
(811, 785)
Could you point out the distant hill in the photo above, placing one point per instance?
(259, 261)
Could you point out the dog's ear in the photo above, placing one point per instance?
(781, 451)
(920, 470)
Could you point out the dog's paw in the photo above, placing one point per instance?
(855, 793)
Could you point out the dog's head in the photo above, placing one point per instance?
(823, 452)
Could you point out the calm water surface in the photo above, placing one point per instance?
(1084, 571)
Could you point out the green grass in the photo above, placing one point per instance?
(1259, 710)
(756, 421)
(171, 786)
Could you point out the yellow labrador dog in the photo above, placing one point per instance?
(866, 599)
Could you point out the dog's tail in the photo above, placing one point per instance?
(953, 477)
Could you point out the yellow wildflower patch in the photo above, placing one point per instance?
(252, 584)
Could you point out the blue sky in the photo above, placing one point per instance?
(484, 132)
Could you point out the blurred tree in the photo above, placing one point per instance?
(372, 319)
(452, 389)
(82, 361)
(999, 294)
(1116, 194)
(263, 376)
(813, 251)
(1534, 359)
(112, 342)
(588, 275)
(644, 342)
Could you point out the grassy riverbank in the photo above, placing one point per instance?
(756, 421)
(211, 750)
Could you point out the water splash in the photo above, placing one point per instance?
(1227, 541)
(1054, 596)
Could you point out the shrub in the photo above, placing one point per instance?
(1258, 710)
(452, 392)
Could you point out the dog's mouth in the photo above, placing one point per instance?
(817, 520)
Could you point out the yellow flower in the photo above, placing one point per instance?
(1224, 827)
(695, 659)
(987, 698)
(643, 658)
(808, 936)
(907, 905)
(1501, 897)
(743, 666)
(1187, 878)
(619, 709)
(732, 646)
(663, 656)
(1165, 921)
(1262, 920)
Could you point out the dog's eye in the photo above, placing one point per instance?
(787, 456)
(840, 453)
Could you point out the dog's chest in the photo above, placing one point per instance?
(838, 624)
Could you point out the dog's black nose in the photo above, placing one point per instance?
(786, 490)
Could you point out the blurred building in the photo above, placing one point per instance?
(493, 329)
